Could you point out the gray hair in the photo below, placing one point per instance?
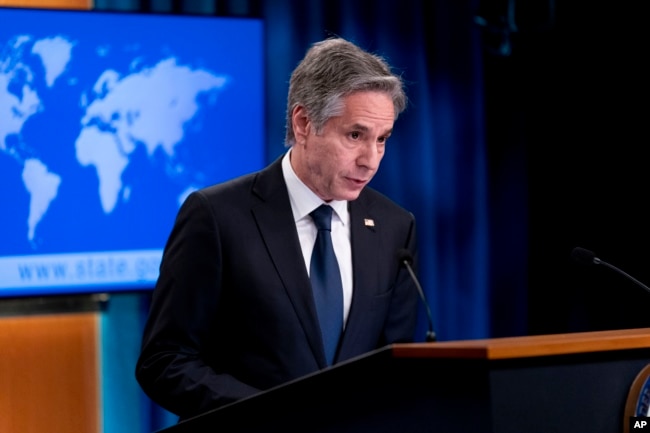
(331, 70)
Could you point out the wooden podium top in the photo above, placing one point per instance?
(528, 346)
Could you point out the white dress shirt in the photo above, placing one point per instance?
(303, 201)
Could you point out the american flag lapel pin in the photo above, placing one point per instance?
(368, 222)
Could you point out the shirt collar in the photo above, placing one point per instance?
(303, 200)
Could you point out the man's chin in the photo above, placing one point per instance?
(351, 195)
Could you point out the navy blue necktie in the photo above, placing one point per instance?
(326, 282)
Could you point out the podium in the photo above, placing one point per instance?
(576, 382)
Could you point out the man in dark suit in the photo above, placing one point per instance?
(233, 312)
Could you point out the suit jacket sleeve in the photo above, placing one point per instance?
(172, 367)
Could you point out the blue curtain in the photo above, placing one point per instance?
(437, 160)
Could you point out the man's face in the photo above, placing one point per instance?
(340, 161)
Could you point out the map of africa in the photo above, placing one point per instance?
(100, 143)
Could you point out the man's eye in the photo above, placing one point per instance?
(355, 135)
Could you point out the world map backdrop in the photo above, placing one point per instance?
(103, 134)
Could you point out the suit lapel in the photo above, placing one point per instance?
(275, 221)
(365, 248)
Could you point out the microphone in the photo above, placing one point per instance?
(406, 259)
(587, 257)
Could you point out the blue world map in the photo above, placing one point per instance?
(100, 143)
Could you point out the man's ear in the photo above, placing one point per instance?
(301, 123)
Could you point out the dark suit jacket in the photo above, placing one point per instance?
(232, 312)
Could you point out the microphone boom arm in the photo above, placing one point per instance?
(597, 261)
(587, 257)
(431, 334)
